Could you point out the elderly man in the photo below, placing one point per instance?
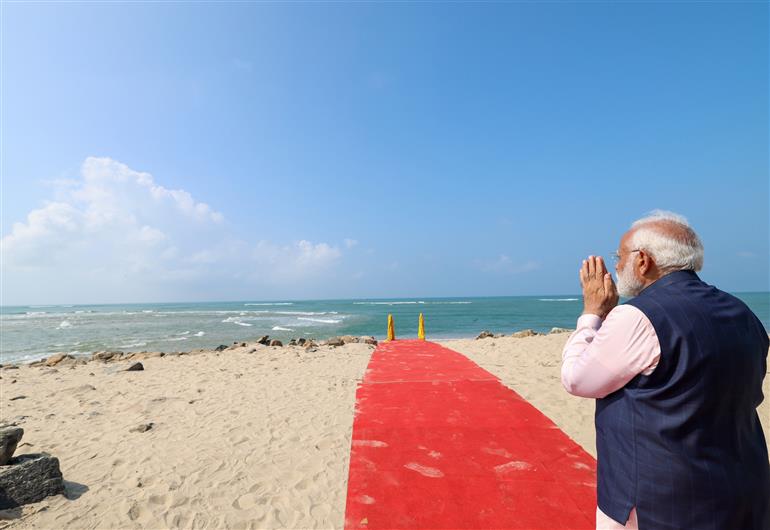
(677, 376)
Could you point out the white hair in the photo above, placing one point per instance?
(669, 239)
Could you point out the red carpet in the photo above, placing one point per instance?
(439, 442)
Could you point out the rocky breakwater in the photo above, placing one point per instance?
(25, 478)
(486, 334)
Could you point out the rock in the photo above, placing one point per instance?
(53, 360)
(301, 341)
(136, 367)
(10, 367)
(369, 340)
(243, 344)
(276, 342)
(485, 334)
(348, 339)
(79, 389)
(29, 478)
(142, 427)
(524, 333)
(293, 342)
(264, 340)
(252, 350)
(14, 398)
(9, 439)
(559, 330)
(310, 344)
(221, 347)
(103, 355)
(335, 341)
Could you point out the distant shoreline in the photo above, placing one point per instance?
(114, 355)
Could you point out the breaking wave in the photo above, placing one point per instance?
(320, 320)
(558, 299)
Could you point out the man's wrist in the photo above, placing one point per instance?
(589, 320)
(595, 311)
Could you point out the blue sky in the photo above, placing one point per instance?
(182, 152)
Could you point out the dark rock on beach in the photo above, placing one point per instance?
(265, 340)
(136, 367)
(102, 355)
(276, 342)
(9, 439)
(29, 478)
(221, 347)
(142, 427)
(485, 335)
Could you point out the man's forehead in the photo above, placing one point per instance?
(625, 239)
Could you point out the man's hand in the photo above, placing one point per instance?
(599, 293)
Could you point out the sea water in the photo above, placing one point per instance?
(31, 332)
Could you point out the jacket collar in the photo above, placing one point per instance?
(668, 279)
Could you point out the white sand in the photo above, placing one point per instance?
(240, 440)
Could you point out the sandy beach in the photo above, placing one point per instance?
(249, 437)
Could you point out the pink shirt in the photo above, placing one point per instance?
(602, 356)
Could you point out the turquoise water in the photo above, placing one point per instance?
(32, 332)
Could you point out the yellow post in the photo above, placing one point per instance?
(421, 328)
(391, 328)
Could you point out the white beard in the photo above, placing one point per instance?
(628, 284)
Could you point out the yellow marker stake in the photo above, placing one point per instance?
(391, 328)
(421, 328)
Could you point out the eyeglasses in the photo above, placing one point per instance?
(616, 255)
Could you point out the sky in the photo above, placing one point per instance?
(259, 151)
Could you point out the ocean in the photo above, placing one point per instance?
(32, 332)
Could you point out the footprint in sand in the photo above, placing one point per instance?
(248, 501)
(157, 499)
(319, 512)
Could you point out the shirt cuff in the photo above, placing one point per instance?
(589, 321)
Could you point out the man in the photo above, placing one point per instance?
(677, 375)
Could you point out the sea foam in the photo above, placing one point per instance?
(558, 299)
(320, 320)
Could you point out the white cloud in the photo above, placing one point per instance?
(115, 234)
(505, 265)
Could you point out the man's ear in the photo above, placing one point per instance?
(645, 262)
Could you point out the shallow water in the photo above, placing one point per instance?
(31, 332)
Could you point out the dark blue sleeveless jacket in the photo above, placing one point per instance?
(684, 444)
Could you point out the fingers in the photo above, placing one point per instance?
(591, 267)
(584, 273)
(609, 285)
(601, 270)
